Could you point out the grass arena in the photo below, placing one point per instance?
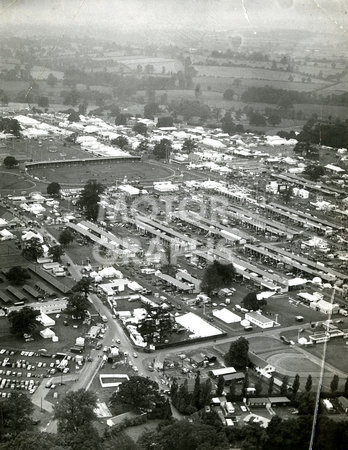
(107, 172)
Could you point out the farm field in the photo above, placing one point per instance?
(107, 174)
(248, 73)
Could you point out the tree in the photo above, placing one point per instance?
(10, 162)
(251, 303)
(189, 146)
(237, 355)
(12, 126)
(120, 141)
(284, 386)
(75, 411)
(140, 128)
(228, 94)
(258, 387)
(15, 413)
(306, 403)
(66, 237)
(185, 435)
(51, 80)
(196, 396)
(334, 383)
(150, 110)
(296, 384)
(165, 122)
(33, 248)
(314, 172)
(274, 119)
(162, 149)
(83, 286)
(309, 383)
(206, 388)
(56, 252)
(23, 321)
(53, 189)
(217, 276)
(220, 385)
(143, 146)
(42, 102)
(256, 119)
(74, 117)
(227, 124)
(17, 275)
(77, 305)
(245, 384)
(90, 198)
(139, 392)
(121, 119)
(34, 440)
(271, 385)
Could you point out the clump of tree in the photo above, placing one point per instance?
(15, 413)
(66, 237)
(142, 393)
(11, 126)
(228, 94)
(74, 116)
(53, 189)
(33, 248)
(10, 162)
(56, 251)
(314, 171)
(75, 416)
(185, 435)
(189, 402)
(77, 305)
(189, 145)
(156, 326)
(17, 275)
(23, 321)
(83, 286)
(162, 149)
(238, 354)
(140, 128)
(217, 276)
(90, 197)
(166, 121)
(251, 302)
(120, 141)
(333, 133)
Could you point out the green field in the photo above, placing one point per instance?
(12, 182)
(107, 174)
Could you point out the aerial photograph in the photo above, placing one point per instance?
(173, 224)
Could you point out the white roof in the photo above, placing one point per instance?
(197, 326)
(226, 315)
